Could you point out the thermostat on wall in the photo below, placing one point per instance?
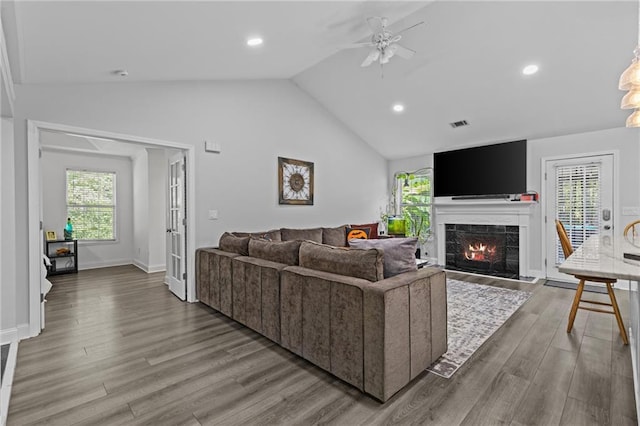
(211, 146)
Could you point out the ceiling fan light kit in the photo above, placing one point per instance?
(630, 80)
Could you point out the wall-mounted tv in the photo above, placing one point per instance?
(484, 171)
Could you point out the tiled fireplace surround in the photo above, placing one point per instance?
(493, 212)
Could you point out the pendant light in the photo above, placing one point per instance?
(630, 80)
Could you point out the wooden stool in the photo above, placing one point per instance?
(567, 248)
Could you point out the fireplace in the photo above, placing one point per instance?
(485, 249)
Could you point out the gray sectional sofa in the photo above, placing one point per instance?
(329, 304)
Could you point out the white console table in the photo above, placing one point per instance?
(604, 257)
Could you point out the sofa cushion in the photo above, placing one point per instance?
(335, 236)
(310, 234)
(372, 227)
(358, 263)
(399, 253)
(276, 251)
(233, 244)
(272, 235)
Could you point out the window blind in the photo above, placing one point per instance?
(577, 203)
(91, 204)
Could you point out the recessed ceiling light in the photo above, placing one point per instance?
(530, 69)
(398, 107)
(121, 73)
(254, 41)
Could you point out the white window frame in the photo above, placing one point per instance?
(114, 205)
(400, 179)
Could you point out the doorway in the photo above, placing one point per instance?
(36, 315)
(580, 194)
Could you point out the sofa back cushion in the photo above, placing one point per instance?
(233, 244)
(285, 252)
(273, 235)
(399, 253)
(310, 234)
(358, 263)
(336, 237)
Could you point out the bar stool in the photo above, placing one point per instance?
(567, 248)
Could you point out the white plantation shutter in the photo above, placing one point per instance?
(577, 203)
(91, 204)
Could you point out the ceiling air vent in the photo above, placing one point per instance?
(460, 123)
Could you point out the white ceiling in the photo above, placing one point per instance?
(467, 66)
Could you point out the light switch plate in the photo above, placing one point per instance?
(213, 214)
(631, 211)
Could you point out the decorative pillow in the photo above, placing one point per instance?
(399, 253)
(310, 234)
(234, 244)
(365, 264)
(357, 233)
(373, 229)
(336, 237)
(276, 251)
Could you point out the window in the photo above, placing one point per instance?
(91, 204)
(577, 203)
(413, 192)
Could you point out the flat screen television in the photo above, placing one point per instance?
(482, 171)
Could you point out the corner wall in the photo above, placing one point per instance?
(54, 213)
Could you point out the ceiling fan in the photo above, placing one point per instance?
(384, 42)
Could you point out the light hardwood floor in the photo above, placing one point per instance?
(120, 349)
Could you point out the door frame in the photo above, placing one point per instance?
(544, 197)
(34, 128)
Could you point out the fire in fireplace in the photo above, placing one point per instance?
(485, 249)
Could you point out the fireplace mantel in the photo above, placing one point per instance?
(486, 212)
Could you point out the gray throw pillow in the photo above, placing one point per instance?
(310, 234)
(399, 253)
(233, 244)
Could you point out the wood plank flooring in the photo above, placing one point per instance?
(119, 348)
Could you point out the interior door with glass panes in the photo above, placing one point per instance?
(176, 219)
(580, 195)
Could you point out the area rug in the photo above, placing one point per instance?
(475, 312)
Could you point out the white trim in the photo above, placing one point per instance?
(104, 264)
(7, 78)
(7, 381)
(543, 202)
(149, 269)
(64, 149)
(34, 191)
(8, 335)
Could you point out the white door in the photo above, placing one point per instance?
(176, 235)
(579, 194)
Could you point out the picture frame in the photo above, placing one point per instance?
(51, 235)
(295, 181)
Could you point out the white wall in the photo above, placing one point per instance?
(140, 164)
(8, 283)
(149, 209)
(157, 224)
(90, 254)
(254, 121)
(627, 177)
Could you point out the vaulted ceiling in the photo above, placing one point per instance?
(467, 67)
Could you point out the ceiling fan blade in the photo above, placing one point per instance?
(408, 28)
(371, 58)
(354, 45)
(376, 23)
(403, 52)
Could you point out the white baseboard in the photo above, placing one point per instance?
(536, 273)
(8, 335)
(166, 279)
(104, 264)
(149, 269)
(7, 381)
